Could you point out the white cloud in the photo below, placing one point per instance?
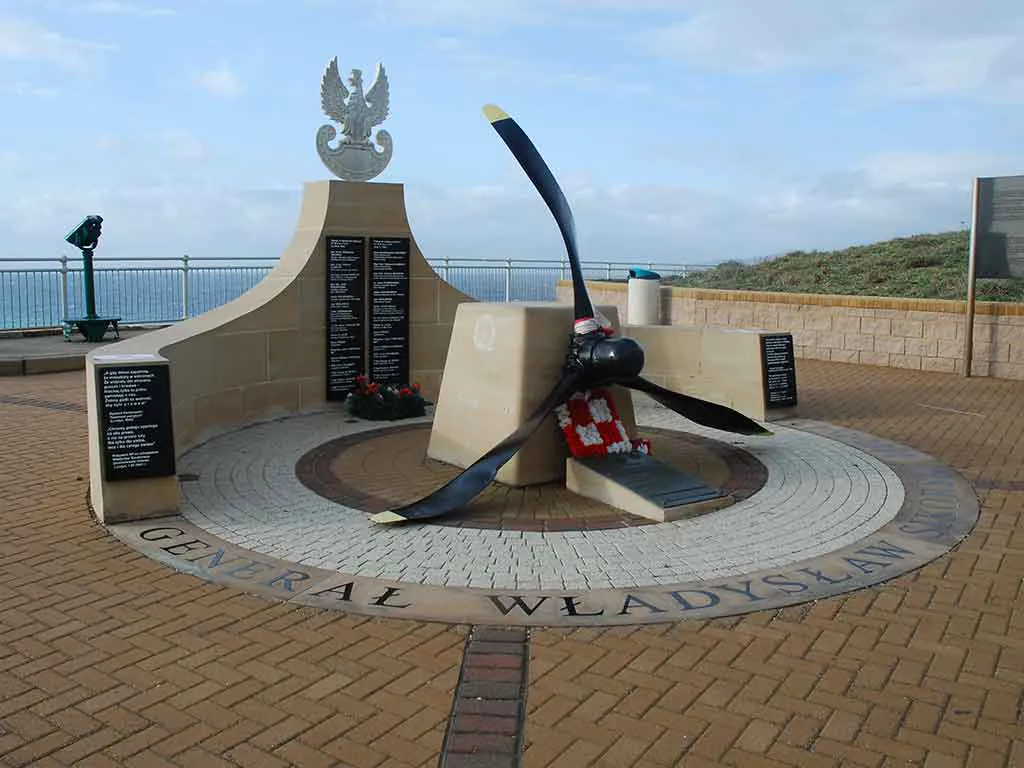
(107, 141)
(473, 14)
(25, 89)
(885, 195)
(220, 81)
(203, 220)
(182, 145)
(114, 7)
(21, 40)
(909, 48)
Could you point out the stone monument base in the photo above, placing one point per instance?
(503, 360)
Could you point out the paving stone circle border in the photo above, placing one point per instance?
(937, 508)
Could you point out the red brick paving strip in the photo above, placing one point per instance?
(486, 726)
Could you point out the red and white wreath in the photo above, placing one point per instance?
(592, 426)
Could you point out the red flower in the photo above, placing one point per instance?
(415, 387)
(360, 379)
(405, 392)
(374, 388)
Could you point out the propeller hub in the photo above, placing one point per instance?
(606, 358)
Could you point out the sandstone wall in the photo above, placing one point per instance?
(920, 334)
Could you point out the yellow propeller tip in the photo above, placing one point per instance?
(494, 113)
(387, 518)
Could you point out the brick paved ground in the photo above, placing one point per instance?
(107, 658)
(925, 670)
(111, 659)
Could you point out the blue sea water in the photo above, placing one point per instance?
(31, 298)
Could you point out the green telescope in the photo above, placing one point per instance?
(86, 234)
(85, 237)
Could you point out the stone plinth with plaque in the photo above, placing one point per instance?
(132, 437)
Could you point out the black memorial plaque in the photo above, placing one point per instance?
(389, 310)
(1000, 235)
(778, 362)
(346, 328)
(137, 440)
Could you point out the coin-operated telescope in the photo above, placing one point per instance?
(85, 237)
(87, 234)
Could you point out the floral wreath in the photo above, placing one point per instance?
(592, 427)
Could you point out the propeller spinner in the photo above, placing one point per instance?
(596, 356)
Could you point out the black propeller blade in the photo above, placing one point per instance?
(463, 488)
(595, 357)
(531, 161)
(701, 411)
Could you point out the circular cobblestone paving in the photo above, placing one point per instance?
(281, 509)
(387, 468)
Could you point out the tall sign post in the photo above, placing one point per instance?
(972, 271)
(997, 241)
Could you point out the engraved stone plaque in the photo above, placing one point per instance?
(1000, 235)
(136, 438)
(389, 310)
(346, 326)
(778, 361)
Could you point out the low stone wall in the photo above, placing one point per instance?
(920, 334)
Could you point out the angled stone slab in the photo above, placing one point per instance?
(642, 485)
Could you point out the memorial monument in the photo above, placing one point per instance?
(597, 357)
(353, 299)
(216, 449)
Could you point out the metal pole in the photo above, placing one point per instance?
(184, 287)
(508, 279)
(63, 287)
(90, 296)
(972, 268)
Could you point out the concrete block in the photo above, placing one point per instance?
(502, 362)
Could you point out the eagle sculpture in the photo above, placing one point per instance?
(356, 111)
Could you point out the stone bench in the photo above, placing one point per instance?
(723, 365)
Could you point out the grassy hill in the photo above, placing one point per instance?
(922, 266)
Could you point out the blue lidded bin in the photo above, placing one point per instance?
(638, 273)
(643, 302)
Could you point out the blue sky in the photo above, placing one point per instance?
(682, 131)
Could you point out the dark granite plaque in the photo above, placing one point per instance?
(1000, 233)
(346, 302)
(653, 481)
(136, 439)
(778, 362)
(389, 310)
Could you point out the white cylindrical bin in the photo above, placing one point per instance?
(644, 305)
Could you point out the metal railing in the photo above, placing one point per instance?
(167, 290)
(522, 280)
